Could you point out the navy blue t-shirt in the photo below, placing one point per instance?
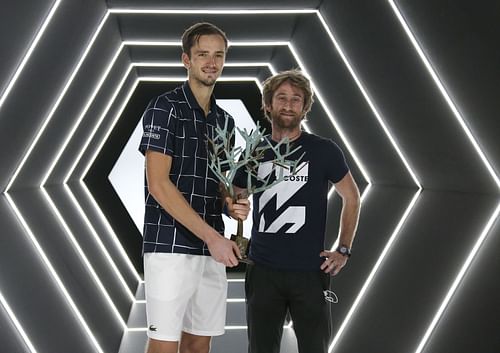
(289, 219)
(175, 124)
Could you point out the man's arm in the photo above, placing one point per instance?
(348, 190)
(170, 198)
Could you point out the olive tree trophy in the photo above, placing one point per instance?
(226, 161)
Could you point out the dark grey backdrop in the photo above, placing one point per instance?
(58, 239)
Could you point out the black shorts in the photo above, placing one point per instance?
(271, 294)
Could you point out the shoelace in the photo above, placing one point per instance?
(330, 296)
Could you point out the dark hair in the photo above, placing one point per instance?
(297, 79)
(191, 35)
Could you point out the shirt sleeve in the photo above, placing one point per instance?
(336, 164)
(159, 125)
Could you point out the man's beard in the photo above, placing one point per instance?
(287, 123)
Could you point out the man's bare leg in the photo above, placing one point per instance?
(156, 346)
(194, 344)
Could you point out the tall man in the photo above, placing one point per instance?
(291, 270)
(185, 252)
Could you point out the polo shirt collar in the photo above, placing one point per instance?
(193, 103)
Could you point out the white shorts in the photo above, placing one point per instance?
(184, 293)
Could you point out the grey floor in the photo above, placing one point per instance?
(233, 341)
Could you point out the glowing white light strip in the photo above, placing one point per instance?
(54, 274)
(214, 12)
(330, 115)
(241, 327)
(110, 230)
(444, 93)
(16, 323)
(27, 56)
(179, 64)
(458, 279)
(235, 300)
(183, 78)
(82, 115)
(236, 280)
(84, 258)
(153, 43)
(136, 329)
(103, 141)
(99, 242)
(368, 100)
(257, 43)
(374, 270)
(56, 105)
(96, 126)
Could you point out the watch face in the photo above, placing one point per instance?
(344, 250)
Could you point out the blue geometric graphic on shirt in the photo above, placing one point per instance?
(284, 191)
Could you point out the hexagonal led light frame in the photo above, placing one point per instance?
(55, 108)
(418, 49)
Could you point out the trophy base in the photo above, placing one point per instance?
(246, 260)
(242, 243)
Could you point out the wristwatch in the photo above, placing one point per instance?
(344, 250)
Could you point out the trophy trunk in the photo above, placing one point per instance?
(241, 241)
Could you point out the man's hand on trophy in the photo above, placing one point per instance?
(224, 251)
(239, 209)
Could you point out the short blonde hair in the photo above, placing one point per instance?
(296, 79)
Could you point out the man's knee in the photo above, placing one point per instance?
(157, 346)
(194, 344)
